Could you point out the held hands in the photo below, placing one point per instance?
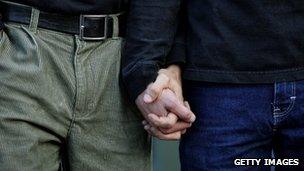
(167, 116)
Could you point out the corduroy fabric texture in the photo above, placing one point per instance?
(60, 98)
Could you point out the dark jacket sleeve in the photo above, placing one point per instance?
(177, 54)
(151, 28)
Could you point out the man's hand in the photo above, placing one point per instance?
(168, 108)
(171, 123)
(165, 124)
(166, 103)
(167, 78)
(173, 132)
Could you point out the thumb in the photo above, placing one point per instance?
(155, 89)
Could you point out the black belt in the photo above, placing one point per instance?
(88, 27)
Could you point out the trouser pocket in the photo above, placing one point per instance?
(35, 98)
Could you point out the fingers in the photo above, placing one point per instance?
(156, 88)
(177, 89)
(181, 111)
(168, 127)
(178, 127)
(158, 134)
(163, 121)
(146, 109)
(172, 104)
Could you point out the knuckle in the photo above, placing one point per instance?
(166, 78)
(162, 70)
(154, 89)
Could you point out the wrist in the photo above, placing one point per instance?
(172, 70)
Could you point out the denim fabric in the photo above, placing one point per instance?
(243, 121)
(60, 98)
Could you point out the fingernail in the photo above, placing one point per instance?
(147, 98)
(192, 119)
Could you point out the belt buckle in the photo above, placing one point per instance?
(82, 27)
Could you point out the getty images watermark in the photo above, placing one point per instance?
(267, 162)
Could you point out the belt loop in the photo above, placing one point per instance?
(34, 20)
(115, 25)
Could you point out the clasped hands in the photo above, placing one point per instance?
(166, 114)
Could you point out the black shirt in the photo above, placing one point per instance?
(225, 41)
(245, 41)
(77, 6)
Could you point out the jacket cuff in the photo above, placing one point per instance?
(177, 54)
(138, 78)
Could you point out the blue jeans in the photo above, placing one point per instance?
(243, 121)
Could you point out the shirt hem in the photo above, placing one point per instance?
(244, 77)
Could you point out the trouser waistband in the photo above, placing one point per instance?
(88, 27)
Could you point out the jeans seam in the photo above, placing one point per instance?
(292, 104)
(290, 107)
